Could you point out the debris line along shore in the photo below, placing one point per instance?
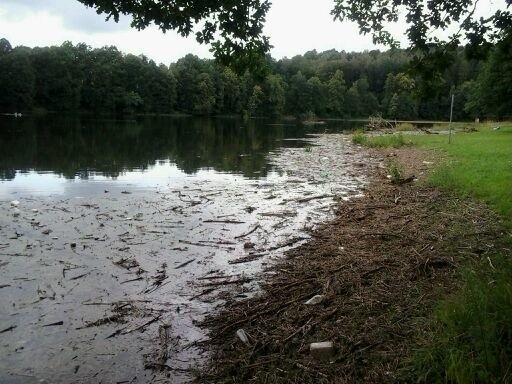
(349, 305)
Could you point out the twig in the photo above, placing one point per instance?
(248, 233)
(224, 221)
(185, 264)
(306, 199)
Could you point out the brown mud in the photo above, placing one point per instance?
(379, 267)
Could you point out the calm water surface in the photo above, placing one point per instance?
(81, 155)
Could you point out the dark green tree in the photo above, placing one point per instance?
(17, 81)
(398, 102)
(274, 96)
(336, 89)
(491, 93)
(204, 99)
(5, 46)
(298, 97)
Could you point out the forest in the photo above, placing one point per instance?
(331, 84)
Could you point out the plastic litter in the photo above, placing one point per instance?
(317, 299)
(244, 338)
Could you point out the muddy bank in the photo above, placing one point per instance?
(375, 272)
(109, 287)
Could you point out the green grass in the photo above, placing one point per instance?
(404, 127)
(381, 141)
(469, 338)
(478, 164)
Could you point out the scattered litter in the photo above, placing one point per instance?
(244, 338)
(322, 351)
(317, 299)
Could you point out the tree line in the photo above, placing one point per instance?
(78, 78)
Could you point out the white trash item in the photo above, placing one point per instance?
(317, 299)
(243, 337)
(322, 351)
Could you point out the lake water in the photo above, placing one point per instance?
(68, 155)
(117, 237)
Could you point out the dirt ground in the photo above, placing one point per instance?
(379, 267)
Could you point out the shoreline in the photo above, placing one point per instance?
(380, 267)
(109, 285)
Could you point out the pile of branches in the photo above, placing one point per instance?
(378, 123)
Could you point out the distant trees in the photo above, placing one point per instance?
(490, 93)
(328, 84)
(17, 78)
(399, 102)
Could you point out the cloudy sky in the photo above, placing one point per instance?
(294, 26)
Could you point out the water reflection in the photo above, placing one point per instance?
(81, 147)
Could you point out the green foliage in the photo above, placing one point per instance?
(432, 54)
(489, 95)
(380, 141)
(298, 97)
(359, 138)
(204, 98)
(336, 89)
(255, 101)
(327, 84)
(440, 14)
(399, 101)
(405, 127)
(17, 81)
(395, 172)
(5, 46)
(233, 28)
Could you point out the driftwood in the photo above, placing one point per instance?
(248, 233)
(247, 259)
(185, 264)
(224, 221)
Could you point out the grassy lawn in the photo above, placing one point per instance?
(478, 164)
(469, 338)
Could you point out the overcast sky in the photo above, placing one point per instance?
(294, 27)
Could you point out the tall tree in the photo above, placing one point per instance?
(336, 89)
(298, 97)
(5, 46)
(274, 99)
(398, 101)
(17, 81)
(490, 94)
